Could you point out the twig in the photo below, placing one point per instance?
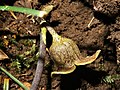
(13, 15)
(40, 62)
(90, 22)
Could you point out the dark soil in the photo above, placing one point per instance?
(70, 18)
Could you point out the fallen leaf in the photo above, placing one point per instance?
(6, 42)
(28, 85)
(3, 55)
(1, 79)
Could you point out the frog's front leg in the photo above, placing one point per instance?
(64, 70)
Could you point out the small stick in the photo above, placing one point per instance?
(13, 15)
(40, 62)
(90, 22)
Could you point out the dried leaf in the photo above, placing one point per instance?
(6, 42)
(27, 84)
(3, 55)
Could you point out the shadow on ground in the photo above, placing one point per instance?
(73, 81)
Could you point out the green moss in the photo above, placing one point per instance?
(111, 78)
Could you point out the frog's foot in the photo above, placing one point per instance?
(64, 70)
(88, 59)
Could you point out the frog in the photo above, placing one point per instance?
(66, 55)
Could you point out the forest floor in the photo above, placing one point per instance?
(69, 18)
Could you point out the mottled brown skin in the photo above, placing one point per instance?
(66, 55)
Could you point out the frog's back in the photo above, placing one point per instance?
(64, 53)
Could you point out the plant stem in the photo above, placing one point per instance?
(34, 12)
(12, 77)
(40, 62)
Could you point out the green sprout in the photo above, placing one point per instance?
(33, 12)
(13, 78)
(111, 79)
